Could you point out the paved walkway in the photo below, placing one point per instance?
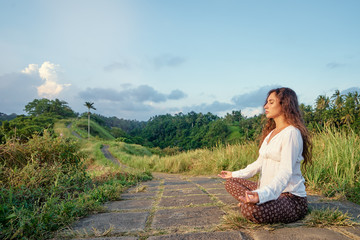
(176, 207)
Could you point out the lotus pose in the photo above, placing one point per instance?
(280, 196)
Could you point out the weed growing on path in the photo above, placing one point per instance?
(328, 217)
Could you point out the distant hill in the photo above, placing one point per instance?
(4, 117)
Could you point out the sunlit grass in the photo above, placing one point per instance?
(336, 161)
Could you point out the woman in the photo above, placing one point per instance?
(281, 195)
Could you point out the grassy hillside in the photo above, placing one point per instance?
(78, 127)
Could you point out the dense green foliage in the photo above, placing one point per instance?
(44, 186)
(184, 131)
(339, 111)
(24, 127)
(54, 108)
(42, 114)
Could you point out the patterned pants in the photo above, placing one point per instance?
(287, 208)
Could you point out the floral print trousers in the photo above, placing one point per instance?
(287, 208)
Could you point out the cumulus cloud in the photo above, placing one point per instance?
(176, 95)
(32, 69)
(130, 102)
(252, 99)
(146, 93)
(214, 107)
(140, 94)
(48, 72)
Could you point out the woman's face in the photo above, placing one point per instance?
(272, 107)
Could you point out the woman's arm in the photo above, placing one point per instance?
(250, 170)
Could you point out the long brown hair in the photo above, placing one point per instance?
(290, 107)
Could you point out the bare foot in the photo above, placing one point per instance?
(240, 204)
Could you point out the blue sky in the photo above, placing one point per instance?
(139, 58)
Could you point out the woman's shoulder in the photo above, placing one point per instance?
(292, 130)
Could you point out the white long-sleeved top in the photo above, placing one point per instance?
(279, 162)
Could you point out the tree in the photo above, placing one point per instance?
(55, 108)
(89, 105)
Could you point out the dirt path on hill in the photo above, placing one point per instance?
(174, 206)
(73, 132)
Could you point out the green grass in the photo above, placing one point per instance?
(335, 171)
(328, 217)
(80, 126)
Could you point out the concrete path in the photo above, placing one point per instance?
(174, 206)
(181, 207)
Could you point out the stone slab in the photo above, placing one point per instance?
(111, 238)
(204, 180)
(151, 183)
(189, 217)
(179, 182)
(212, 185)
(142, 204)
(217, 191)
(138, 195)
(122, 222)
(230, 235)
(354, 231)
(227, 199)
(139, 190)
(180, 201)
(298, 234)
(182, 191)
(172, 185)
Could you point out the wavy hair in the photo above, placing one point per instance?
(290, 107)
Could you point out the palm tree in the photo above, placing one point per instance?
(89, 105)
(338, 99)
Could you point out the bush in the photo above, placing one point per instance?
(44, 186)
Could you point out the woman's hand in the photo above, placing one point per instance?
(250, 197)
(225, 174)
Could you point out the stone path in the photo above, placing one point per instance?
(73, 132)
(180, 207)
(173, 206)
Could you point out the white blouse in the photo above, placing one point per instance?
(279, 162)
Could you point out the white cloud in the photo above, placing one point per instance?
(31, 69)
(252, 111)
(49, 73)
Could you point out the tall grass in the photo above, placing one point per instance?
(195, 162)
(336, 164)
